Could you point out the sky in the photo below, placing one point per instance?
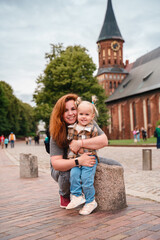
(27, 28)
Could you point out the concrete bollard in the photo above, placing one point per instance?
(147, 159)
(28, 166)
(109, 186)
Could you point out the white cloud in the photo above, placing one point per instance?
(27, 28)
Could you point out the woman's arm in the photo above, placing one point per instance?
(61, 164)
(91, 143)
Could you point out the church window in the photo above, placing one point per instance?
(119, 118)
(114, 84)
(134, 114)
(110, 76)
(109, 52)
(109, 61)
(110, 85)
(103, 52)
(131, 116)
(103, 61)
(148, 111)
(115, 61)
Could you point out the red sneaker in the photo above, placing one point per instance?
(64, 201)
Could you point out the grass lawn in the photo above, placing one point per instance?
(149, 141)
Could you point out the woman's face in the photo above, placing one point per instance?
(70, 114)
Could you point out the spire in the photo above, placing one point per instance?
(110, 29)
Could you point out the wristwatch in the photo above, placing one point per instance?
(76, 162)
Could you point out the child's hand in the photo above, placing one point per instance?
(75, 145)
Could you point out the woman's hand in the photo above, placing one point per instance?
(87, 160)
(75, 145)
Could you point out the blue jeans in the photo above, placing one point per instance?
(82, 178)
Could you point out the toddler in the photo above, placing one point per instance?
(81, 177)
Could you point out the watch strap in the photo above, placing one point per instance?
(76, 162)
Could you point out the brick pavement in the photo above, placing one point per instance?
(139, 183)
(29, 209)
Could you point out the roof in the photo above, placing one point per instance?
(110, 29)
(111, 70)
(147, 57)
(142, 78)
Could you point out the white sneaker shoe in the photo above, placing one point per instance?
(88, 208)
(75, 202)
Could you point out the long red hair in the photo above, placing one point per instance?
(57, 126)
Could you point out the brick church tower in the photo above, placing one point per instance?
(111, 70)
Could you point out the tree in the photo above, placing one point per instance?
(68, 71)
(15, 115)
(3, 113)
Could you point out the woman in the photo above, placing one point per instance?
(65, 113)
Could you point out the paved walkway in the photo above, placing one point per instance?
(29, 208)
(145, 184)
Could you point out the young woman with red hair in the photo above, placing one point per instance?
(65, 113)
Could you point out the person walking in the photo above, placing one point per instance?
(12, 139)
(2, 141)
(157, 135)
(6, 142)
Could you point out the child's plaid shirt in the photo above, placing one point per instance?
(77, 132)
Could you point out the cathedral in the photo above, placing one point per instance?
(132, 90)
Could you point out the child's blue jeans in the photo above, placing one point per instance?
(82, 178)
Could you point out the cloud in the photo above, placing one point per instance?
(27, 28)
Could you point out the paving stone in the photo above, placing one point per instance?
(29, 208)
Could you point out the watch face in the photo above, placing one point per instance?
(115, 46)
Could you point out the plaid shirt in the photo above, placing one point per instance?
(77, 132)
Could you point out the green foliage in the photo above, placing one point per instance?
(15, 115)
(68, 71)
(157, 123)
(148, 142)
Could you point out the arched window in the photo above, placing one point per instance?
(134, 115)
(148, 111)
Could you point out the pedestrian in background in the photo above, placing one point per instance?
(12, 139)
(30, 140)
(26, 140)
(2, 141)
(138, 135)
(144, 134)
(157, 135)
(6, 142)
(135, 135)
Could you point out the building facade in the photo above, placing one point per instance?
(133, 90)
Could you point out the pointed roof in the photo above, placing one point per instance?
(110, 29)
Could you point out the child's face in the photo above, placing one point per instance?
(85, 114)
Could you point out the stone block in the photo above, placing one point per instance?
(109, 186)
(147, 159)
(28, 166)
